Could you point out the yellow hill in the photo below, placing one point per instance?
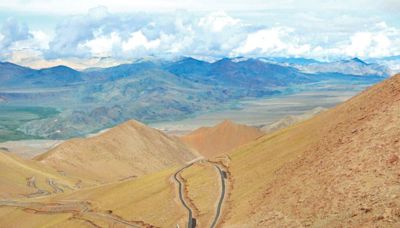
(220, 139)
(147, 201)
(129, 150)
(21, 178)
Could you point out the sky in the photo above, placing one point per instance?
(86, 33)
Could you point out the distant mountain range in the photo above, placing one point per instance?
(393, 62)
(269, 71)
(156, 90)
(353, 66)
(12, 75)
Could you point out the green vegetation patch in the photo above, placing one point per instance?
(12, 117)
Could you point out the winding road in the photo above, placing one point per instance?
(31, 182)
(192, 221)
(221, 198)
(79, 209)
(54, 185)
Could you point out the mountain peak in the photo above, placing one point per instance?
(358, 60)
(224, 60)
(221, 138)
(133, 123)
(59, 68)
(190, 60)
(131, 148)
(13, 65)
(226, 123)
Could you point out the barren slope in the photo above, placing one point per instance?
(147, 200)
(128, 150)
(220, 139)
(288, 121)
(339, 169)
(22, 178)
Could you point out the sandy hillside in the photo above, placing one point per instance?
(142, 202)
(290, 120)
(129, 150)
(220, 139)
(21, 178)
(339, 169)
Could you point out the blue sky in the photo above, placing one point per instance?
(86, 33)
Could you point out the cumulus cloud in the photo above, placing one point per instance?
(274, 41)
(379, 40)
(73, 32)
(11, 32)
(137, 39)
(368, 44)
(103, 45)
(100, 34)
(217, 21)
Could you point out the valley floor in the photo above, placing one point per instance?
(261, 111)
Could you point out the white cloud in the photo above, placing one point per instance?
(12, 31)
(382, 41)
(98, 33)
(217, 21)
(273, 41)
(359, 44)
(137, 39)
(41, 38)
(35, 60)
(14, 35)
(102, 46)
(382, 47)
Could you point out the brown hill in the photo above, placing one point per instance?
(339, 169)
(222, 138)
(128, 150)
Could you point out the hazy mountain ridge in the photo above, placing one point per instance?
(353, 66)
(15, 76)
(147, 90)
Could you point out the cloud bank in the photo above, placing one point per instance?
(118, 37)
